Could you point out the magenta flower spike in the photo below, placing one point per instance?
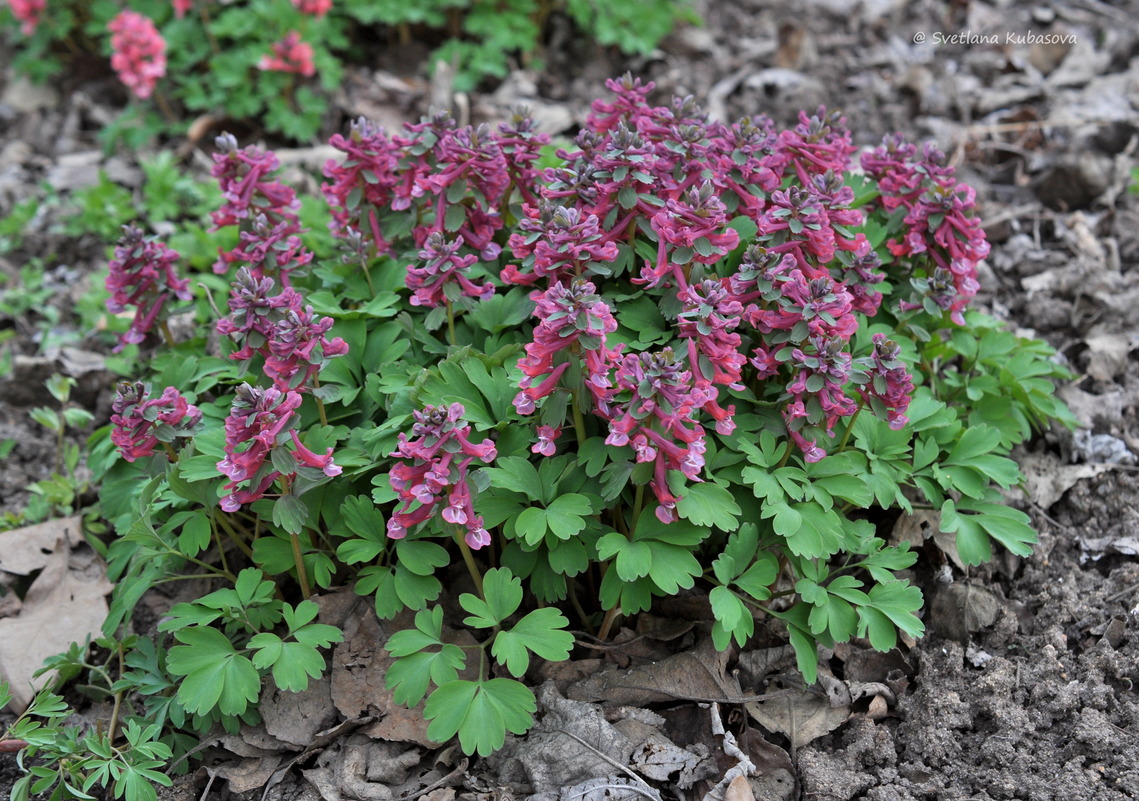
(140, 422)
(142, 275)
(434, 468)
(290, 55)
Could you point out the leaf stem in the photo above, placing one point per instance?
(319, 402)
(469, 559)
(850, 427)
(578, 421)
(298, 560)
(450, 322)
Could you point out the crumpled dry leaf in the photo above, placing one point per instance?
(696, 675)
(23, 550)
(739, 789)
(802, 717)
(963, 608)
(775, 778)
(248, 774)
(61, 607)
(1046, 478)
(363, 770)
(296, 717)
(571, 742)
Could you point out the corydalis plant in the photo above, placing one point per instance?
(687, 357)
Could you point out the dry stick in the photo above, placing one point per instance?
(612, 762)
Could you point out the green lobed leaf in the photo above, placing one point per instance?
(541, 631)
(480, 713)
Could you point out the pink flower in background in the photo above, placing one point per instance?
(290, 55)
(141, 422)
(181, 7)
(28, 12)
(317, 8)
(139, 52)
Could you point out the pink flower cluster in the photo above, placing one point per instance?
(140, 422)
(657, 420)
(138, 52)
(435, 466)
(451, 183)
(258, 433)
(29, 13)
(574, 322)
(314, 8)
(649, 194)
(142, 275)
(276, 326)
(281, 329)
(290, 55)
(941, 236)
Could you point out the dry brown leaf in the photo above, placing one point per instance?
(739, 790)
(23, 550)
(1046, 478)
(62, 606)
(802, 717)
(960, 609)
(296, 717)
(697, 675)
(248, 774)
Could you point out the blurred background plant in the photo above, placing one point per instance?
(275, 63)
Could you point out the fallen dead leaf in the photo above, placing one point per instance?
(23, 550)
(62, 606)
(802, 717)
(1046, 478)
(696, 675)
(961, 609)
(739, 789)
(295, 718)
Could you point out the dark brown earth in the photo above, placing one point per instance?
(1025, 686)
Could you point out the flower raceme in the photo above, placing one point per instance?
(261, 422)
(139, 52)
(140, 422)
(29, 13)
(434, 467)
(142, 275)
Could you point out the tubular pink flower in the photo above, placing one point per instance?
(442, 265)
(142, 275)
(314, 8)
(140, 422)
(181, 7)
(432, 468)
(29, 13)
(139, 52)
(247, 186)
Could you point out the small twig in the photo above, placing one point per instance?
(611, 761)
(460, 768)
(1115, 596)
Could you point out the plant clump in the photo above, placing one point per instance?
(672, 355)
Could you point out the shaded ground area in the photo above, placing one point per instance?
(1024, 687)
